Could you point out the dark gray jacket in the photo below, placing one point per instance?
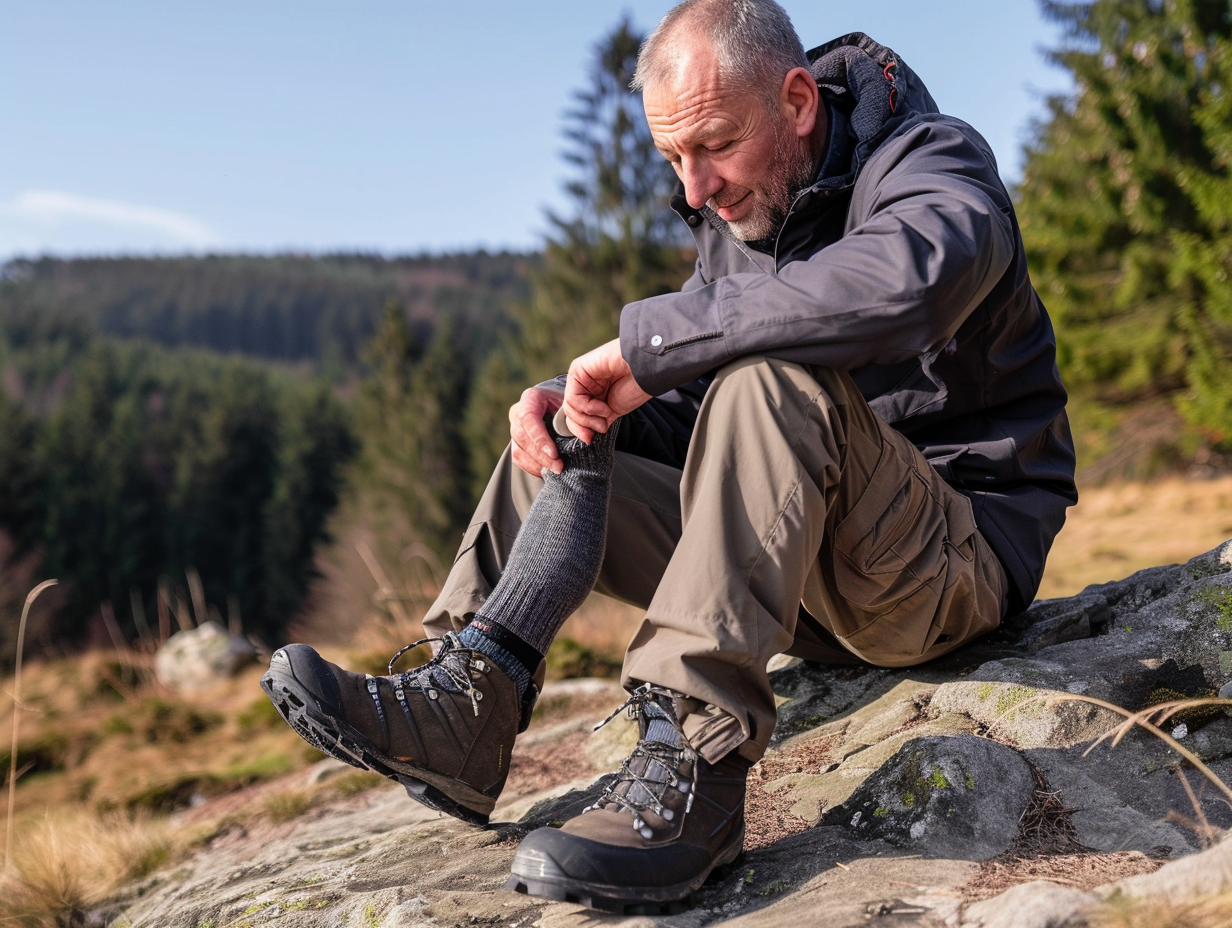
(903, 264)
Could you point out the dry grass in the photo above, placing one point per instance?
(63, 867)
(284, 805)
(1210, 912)
(89, 740)
(1123, 527)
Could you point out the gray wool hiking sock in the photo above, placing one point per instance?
(554, 561)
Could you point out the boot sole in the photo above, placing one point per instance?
(299, 708)
(541, 876)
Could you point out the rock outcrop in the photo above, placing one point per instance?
(906, 793)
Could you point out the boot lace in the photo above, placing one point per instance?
(449, 671)
(645, 791)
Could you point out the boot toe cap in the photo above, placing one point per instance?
(312, 672)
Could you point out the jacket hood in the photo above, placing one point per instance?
(872, 88)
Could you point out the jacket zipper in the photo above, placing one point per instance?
(777, 238)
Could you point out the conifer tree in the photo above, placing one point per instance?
(439, 391)
(1124, 200)
(415, 462)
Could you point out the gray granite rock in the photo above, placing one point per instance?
(1206, 873)
(956, 796)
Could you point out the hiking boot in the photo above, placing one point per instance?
(443, 730)
(653, 837)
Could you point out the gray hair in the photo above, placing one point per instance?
(754, 41)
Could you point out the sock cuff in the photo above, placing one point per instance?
(575, 451)
(522, 651)
(514, 669)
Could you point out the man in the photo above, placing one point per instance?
(845, 439)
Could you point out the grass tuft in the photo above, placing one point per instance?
(63, 867)
(282, 807)
(1210, 912)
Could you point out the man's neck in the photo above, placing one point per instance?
(819, 141)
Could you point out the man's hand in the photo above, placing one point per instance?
(600, 390)
(534, 450)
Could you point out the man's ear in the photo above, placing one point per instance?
(799, 100)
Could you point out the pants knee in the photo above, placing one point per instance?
(763, 377)
(770, 390)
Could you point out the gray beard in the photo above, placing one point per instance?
(795, 163)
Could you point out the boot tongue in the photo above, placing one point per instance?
(660, 729)
(659, 726)
(448, 671)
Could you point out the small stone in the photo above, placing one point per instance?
(1039, 904)
(1225, 691)
(193, 659)
(1180, 732)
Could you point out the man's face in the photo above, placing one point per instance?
(727, 149)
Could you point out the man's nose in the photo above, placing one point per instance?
(701, 181)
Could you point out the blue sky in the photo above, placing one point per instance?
(269, 125)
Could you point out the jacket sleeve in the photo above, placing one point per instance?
(933, 233)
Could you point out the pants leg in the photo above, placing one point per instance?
(795, 491)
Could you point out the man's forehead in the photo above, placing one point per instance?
(692, 119)
(689, 89)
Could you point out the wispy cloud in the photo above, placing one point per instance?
(55, 207)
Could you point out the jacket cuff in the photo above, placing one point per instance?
(672, 339)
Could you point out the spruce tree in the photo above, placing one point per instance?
(415, 465)
(1123, 204)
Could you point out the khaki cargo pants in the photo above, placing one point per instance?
(801, 523)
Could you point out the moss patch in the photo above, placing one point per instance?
(1219, 600)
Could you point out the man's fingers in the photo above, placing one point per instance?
(533, 446)
(535, 466)
(534, 461)
(593, 423)
(579, 431)
(536, 438)
(594, 417)
(589, 411)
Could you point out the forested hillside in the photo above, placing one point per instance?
(322, 310)
(132, 472)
